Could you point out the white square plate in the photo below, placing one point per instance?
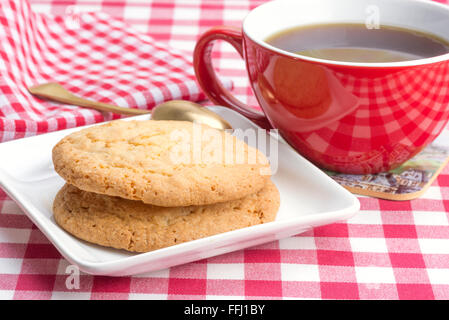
(309, 198)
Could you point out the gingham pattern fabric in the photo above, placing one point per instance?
(92, 55)
(389, 250)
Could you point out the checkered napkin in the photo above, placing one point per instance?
(91, 54)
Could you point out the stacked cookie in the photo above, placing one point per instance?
(145, 185)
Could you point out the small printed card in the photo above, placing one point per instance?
(406, 182)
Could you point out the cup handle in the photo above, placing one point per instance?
(207, 78)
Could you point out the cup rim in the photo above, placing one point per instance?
(406, 63)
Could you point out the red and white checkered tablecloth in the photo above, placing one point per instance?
(389, 250)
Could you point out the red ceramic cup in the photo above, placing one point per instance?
(349, 117)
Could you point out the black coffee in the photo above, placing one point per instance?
(356, 43)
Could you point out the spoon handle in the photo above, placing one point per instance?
(81, 102)
(72, 99)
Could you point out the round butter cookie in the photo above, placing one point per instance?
(135, 226)
(164, 163)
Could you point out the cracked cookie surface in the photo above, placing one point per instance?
(135, 226)
(165, 163)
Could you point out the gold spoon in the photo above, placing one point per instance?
(180, 110)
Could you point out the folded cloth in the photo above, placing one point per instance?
(91, 54)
